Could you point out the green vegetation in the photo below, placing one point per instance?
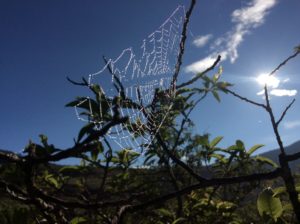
(183, 177)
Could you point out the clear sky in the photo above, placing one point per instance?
(42, 42)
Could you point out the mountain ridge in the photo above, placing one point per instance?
(290, 149)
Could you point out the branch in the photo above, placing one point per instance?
(292, 157)
(83, 83)
(115, 78)
(82, 147)
(245, 99)
(284, 62)
(77, 204)
(200, 74)
(284, 112)
(182, 44)
(14, 192)
(95, 135)
(108, 157)
(10, 156)
(178, 161)
(208, 183)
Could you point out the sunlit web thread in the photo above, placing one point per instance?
(140, 75)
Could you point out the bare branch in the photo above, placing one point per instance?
(208, 183)
(182, 44)
(293, 157)
(286, 170)
(284, 112)
(200, 74)
(78, 204)
(115, 78)
(15, 192)
(10, 156)
(284, 62)
(245, 99)
(83, 83)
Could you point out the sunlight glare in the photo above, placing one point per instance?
(270, 81)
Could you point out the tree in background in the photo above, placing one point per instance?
(183, 177)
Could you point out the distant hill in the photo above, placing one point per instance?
(272, 154)
(291, 149)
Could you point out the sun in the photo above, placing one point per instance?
(269, 80)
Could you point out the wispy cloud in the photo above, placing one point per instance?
(200, 65)
(245, 20)
(291, 124)
(279, 92)
(283, 92)
(201, 41)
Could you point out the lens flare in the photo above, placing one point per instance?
(269, 80)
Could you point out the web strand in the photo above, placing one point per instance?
(141, 74)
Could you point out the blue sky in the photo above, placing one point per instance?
(42, 42)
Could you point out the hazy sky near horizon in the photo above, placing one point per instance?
(42, 42)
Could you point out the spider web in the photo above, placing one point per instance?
(141, 73)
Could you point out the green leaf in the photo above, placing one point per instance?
(202, 140)
(87, 129)
(282, 190)
(44, 140)
(215, 77)
(225, 205)
(216, 95)
(96, 89)
(266, 160)
(269, 205)
(179, 220)
(240, 144)
(69, 169)
(278, 191)
(95, 151)
(215, 141)
(223, 86)
(78, 220)
(254, 148)
(51, 179)
(219, 157)
(76, 102)
(288, 207)
(164, 212)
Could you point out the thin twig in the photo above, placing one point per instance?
(115, 79)
(83, 83)
(245, 99)
(284, 62)
(284, 112)
(182, 44)
(108, 157)
(200, 74)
